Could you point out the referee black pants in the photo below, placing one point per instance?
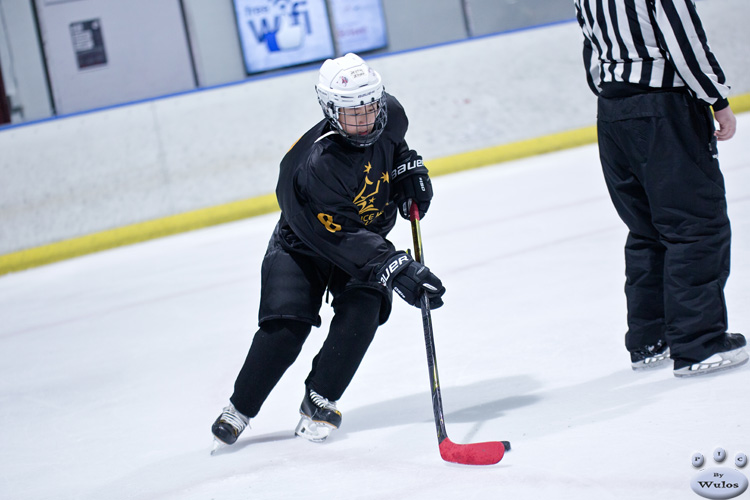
(660, 163)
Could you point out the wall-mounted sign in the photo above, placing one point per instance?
(358, 25)
(279, 33)
(88, 43)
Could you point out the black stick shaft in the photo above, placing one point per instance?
(429, 338)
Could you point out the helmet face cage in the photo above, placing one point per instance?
(360, 125)
(353, 99)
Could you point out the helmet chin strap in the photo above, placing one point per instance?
(330, 132)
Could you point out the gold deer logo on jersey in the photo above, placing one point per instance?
(365, 200)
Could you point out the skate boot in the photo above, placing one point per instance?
(228, 427)
(650, 356)
(731, 354)
(319, 417)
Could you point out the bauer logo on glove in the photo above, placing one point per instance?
(409, 279)
(407, 167)
(393, 268)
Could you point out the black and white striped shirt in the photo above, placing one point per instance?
(649, 44)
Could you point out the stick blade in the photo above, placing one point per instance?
(487, 453)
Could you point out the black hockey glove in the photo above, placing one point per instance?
(409, 279)
(411, 182)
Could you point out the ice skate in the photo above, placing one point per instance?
(732, 355)
(648, 357)
(319, 417)
(228, 427)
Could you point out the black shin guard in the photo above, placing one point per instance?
(275, 347)
(352, 330)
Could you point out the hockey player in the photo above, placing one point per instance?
(339, 189)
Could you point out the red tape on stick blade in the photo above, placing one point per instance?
(487, 453)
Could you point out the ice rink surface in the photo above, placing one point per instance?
(113, 366)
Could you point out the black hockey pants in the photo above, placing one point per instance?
(660, 164)
(278, 342)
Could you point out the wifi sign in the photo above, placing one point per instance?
(281, 26)
(281, 33)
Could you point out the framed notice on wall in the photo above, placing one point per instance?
(279, 33)
(88, 43)
(358, 25)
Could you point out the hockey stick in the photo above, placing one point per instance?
(487, 453)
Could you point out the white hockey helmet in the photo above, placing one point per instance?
(348, 82)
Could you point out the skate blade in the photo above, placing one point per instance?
(657, 361)
(651, 364)
(217, 446)
(316, 432)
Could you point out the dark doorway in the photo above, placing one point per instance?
(4, 106)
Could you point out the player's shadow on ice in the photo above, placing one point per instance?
(609, 396)
(473, 403)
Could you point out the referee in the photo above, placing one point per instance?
(656, 79)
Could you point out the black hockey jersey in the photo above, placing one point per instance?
(335, 198)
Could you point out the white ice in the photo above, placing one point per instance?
(113, 366)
